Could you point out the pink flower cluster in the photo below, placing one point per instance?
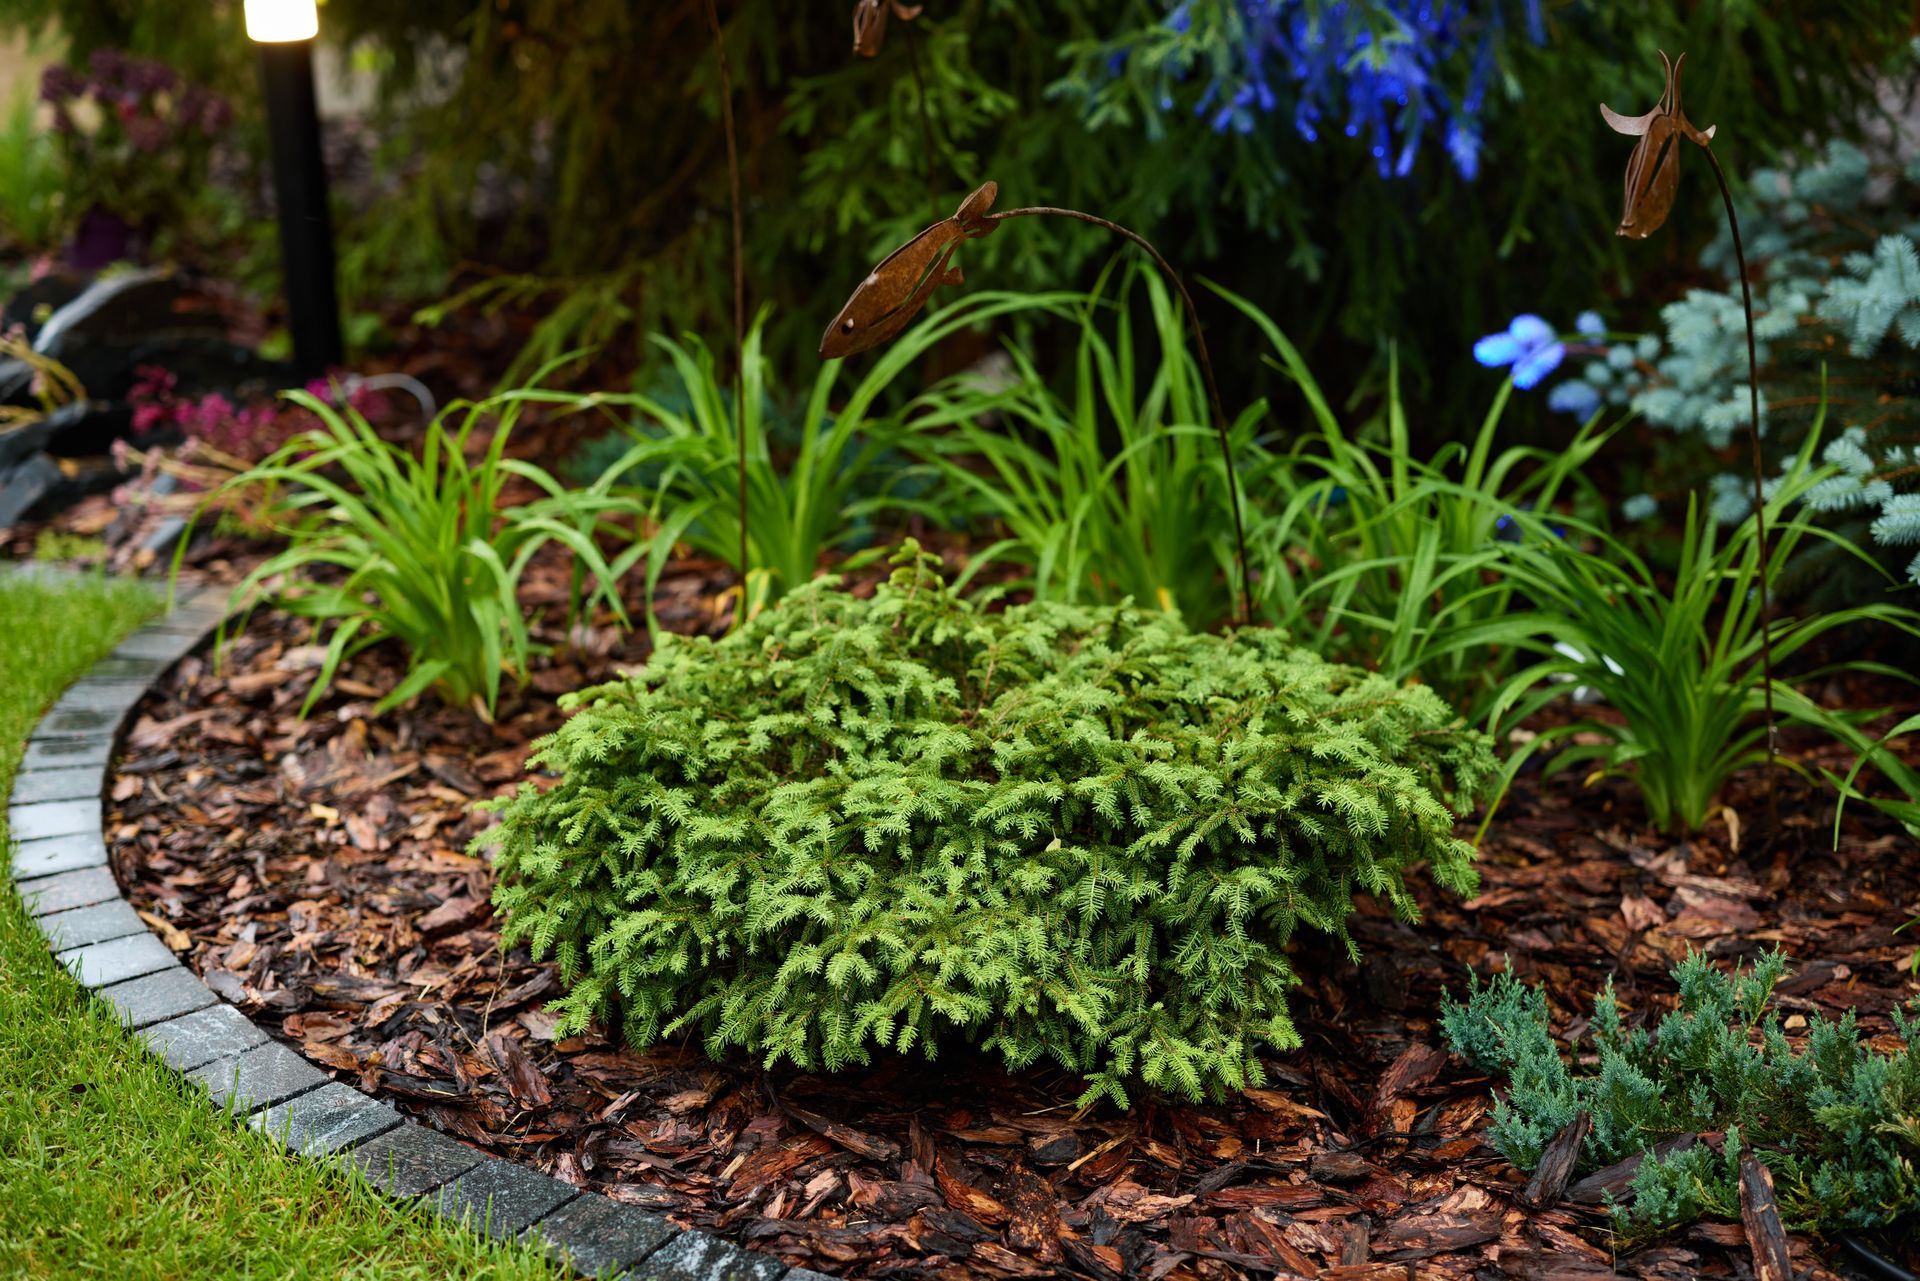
(250, 431)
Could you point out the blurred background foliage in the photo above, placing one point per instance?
(1376, 174)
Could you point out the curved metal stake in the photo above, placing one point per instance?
(739, 290)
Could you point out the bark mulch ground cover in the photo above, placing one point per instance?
(315, 873)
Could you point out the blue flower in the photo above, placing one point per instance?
(1529, 344)
(1575, 396)
(1589, 324)
(1391, 73)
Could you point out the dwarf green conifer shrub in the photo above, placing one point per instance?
(1059, 832)
(1836, 1121)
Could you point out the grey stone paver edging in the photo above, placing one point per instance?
(60, 869)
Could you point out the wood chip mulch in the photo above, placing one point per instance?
(314, 872)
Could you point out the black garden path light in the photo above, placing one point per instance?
(285, 31)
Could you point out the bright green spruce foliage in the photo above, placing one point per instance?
(1836, 1122)
(1075, 833)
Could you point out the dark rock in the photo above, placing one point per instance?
(33, 305)
(24, 485)
(21, 442)
(87, 428)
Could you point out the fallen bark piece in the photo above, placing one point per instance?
(524, 1079)
(1033, 1221)
(1613, 1180)
(1772, 1261)
(857, 1141)
(1549, 1181)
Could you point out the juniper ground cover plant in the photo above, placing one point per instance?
(1081, 834)
(1836, 1121)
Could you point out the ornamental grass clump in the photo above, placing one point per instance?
(1082, 834)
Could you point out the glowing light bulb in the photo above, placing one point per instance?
(282, 21)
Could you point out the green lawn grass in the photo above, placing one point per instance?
(109, 1167)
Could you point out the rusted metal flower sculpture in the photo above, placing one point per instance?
(897, 290)
(739, 284)
(870, 23)
(1652, 179)
(869, 33)
(1653, 171)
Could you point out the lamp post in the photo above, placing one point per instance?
(285, 30)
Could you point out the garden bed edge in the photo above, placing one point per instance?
(61, 870)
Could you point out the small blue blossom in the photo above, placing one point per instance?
(1529, 344)
(1575, 396)
(1640, 507)
(1589, 325)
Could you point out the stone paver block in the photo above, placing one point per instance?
(805, 1274)
(413, 1160)
(500, 1198)
(57, 785)
(330, 1119)
(185, 624)
(259, 1078)
(53, 818)
(157, 997)
(194, 1040)
(68, 890)
(97, 924)
(78, 722)
(66, 753)
(111, 698)
(101, 964)
(695, 1256)
(169, 646)
(124, 669)
(602, 1237)
(193, 607)
(56, 854)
